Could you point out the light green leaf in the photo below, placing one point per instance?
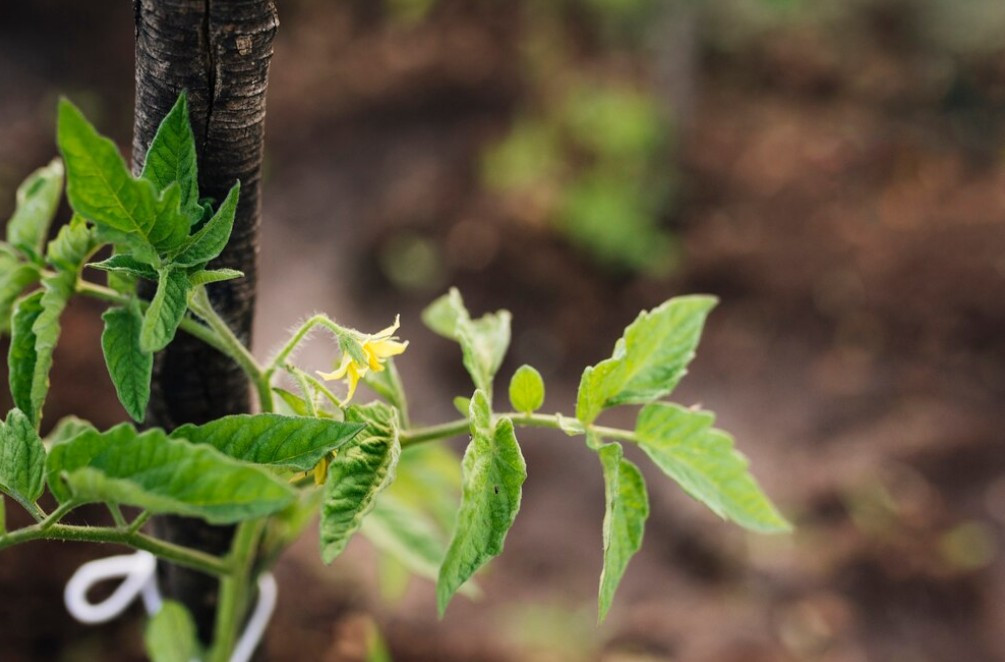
(627, 507)
(171, 158)
(66, 429)
(72, 246)
(128, 365)
(462, 405)
(526, 390)
(396, 528)
(21, 356)
(683, 443)
(357, 475)
(101, 189)
(14, 278)
(292, 442)
(493, 471)
(483, 341)
(166, 310)
(648, 360)
(210, 240)
(37, 202)
(570, 426)
(207, 276)
(170, 636)
(429, 474)
(22, 459)
(162, 475)
(121, 263)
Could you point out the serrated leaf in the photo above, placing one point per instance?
(207, 276)
(648, 360)
(683, 443)
(493, 472)
(483, 341)
(14, 278)
(101, 189)
(170, 636)
(73, 244)
(66, 429)
(128, 365)
(171, 158)
(626, 510)
(162, 475)
(291, 442)
(22, 459)
(121, 263)
(356, 475)
(37, 201)
(210, 240)
(165, 311)
(21, 356)
(526, 390)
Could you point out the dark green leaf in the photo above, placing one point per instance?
(648, 360)
(101, 189)
(210, 240)
(166, 310)
(22, 459)
(162, 475)
(683, 443)
(37, 203)
(170, 636)
(291, 442)
(171, 158)
(14, 278)
(207, 276)
(21, 357)
(357, 475)
(624, 519)
(493, 474)
(129, 366)
(126, 264)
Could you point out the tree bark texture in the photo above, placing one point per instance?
(219, 51)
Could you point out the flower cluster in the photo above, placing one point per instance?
(376, 348)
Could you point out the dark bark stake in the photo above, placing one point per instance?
(218, 50)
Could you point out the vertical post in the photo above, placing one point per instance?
(219, 51)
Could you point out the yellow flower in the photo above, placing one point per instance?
(377, 348)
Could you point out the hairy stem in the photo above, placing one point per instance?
(461, 426)
(177, 554)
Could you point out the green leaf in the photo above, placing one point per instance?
(627, 507)
(162, 475)
(22, 459)
(37, 203)
(170, 636)
(483, 341)
(128, 365)
(398, 529)
(207, 276)
(171, 158)
(683, 443)
(429, 474)
(166, 310)
(493, 473)
(648, 360)
(14, 278)
(101, 189)
(121, 263)
(21, 356)
(291, 442)
(67, 428)
(210, 240)
(526, 390)
(357, 475)
(72, 246)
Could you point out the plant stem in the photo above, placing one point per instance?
(297, 338)
(185, 556)
(233, 347)
(53, 518)
(461, 426)
(188, 325)
(235, 589)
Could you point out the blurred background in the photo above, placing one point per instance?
(831, 169)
